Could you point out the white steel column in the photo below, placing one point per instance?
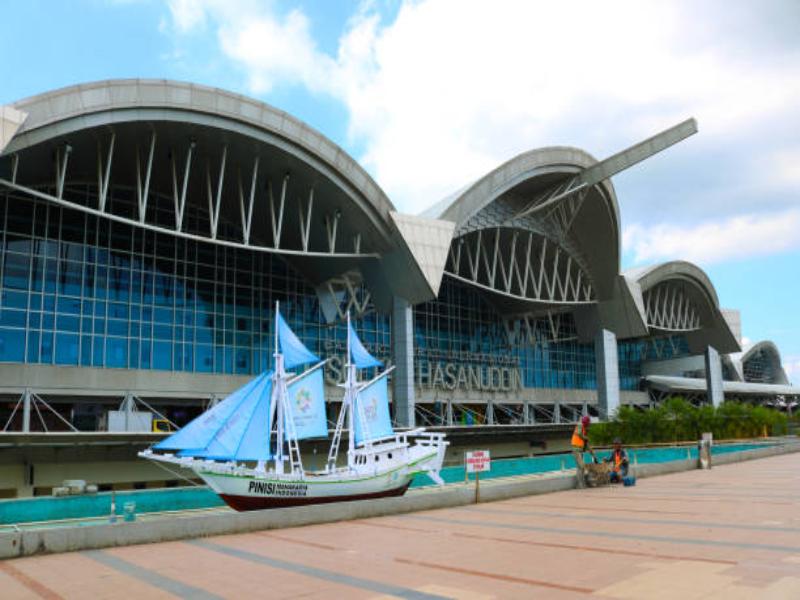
(714, 389)
(607, 366)
(26, 410)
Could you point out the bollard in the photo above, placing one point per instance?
(704, 451)
(113, 517)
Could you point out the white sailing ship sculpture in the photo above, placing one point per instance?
(231, 445)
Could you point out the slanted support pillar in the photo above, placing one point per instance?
(607, 365)
(26, 410)
(557, 413)
(403, 351)
(490, 412)
(714, 389)
(450, 412)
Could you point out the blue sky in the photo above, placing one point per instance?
(431, 94)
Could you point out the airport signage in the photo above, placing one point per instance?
(445, 375)
(454, 376)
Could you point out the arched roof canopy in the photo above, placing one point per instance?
(205, 139)
(678, 297)
(762, 364)
(566, 255)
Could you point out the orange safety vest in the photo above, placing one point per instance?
(577, 440)
(617, 460)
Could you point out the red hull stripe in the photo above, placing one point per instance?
(243, 503)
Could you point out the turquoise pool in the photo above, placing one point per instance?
(31, 510)
(555, 462)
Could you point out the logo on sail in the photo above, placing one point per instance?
(371, 409)
(303, 400)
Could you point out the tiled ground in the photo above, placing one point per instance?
(729, 533)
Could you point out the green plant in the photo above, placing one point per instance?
(677, 420)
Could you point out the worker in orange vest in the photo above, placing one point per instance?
(619, 462)
(580, 444)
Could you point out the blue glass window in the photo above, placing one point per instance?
(162, 355)
(86, 350)
(66, 349)
(15, 299)
(67, 323)
(33, 346)
(116, 352)
(12, 344)
(46, 355)
(204, 358)
(13, 318)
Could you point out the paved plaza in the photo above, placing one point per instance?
(729, 533)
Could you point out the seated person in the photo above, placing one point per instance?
(619, 462)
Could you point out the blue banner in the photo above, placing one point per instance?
(306, 401)
(358, 354)
(372, 418)
(293, 350)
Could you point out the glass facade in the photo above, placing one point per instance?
(462, 327)
(79, 290)
(632, 353)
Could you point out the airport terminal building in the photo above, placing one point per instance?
(147, 229)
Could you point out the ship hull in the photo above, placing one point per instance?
(245, 503)
(257, 492)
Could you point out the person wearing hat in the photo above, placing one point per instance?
(580, 444)
(619, 462)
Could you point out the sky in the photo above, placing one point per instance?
(429, 95)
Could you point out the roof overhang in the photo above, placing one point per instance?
(710, 327)
(666, 383)
(322, 211)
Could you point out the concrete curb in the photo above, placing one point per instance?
(67, 539)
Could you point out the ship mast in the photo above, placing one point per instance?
(277, 391)
(349, 396)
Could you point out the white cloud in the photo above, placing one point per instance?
(784, 164)
(269, 47)
(452, 88)
(711, 242)
(187, 14)
(441, 100)
(277, 50)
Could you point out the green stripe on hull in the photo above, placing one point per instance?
(312, 482)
